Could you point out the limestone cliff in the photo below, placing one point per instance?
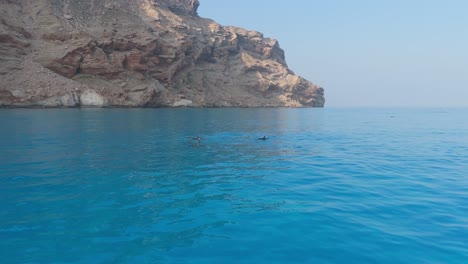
(151, 53)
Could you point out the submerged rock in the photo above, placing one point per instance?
(139, 53)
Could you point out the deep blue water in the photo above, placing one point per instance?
(329, 186)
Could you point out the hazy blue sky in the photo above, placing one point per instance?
(365, 52)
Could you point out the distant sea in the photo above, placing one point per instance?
(331, 185)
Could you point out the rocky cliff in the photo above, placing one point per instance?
(151, 53)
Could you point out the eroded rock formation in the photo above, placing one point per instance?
(138, 53)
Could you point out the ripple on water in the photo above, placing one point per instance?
(328, 186)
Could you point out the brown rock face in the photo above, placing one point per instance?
(14, 44)
(139, 53)
(181, 7)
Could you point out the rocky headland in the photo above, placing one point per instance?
(139, 53)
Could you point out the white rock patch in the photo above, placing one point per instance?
(92, 98)
(183, 103)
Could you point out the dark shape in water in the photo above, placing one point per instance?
(263, 138)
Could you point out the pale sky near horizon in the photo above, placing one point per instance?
(365, 52)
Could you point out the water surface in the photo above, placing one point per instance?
(329, 186)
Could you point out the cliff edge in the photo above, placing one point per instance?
(139, 53)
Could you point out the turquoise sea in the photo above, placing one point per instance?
(332, 185)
